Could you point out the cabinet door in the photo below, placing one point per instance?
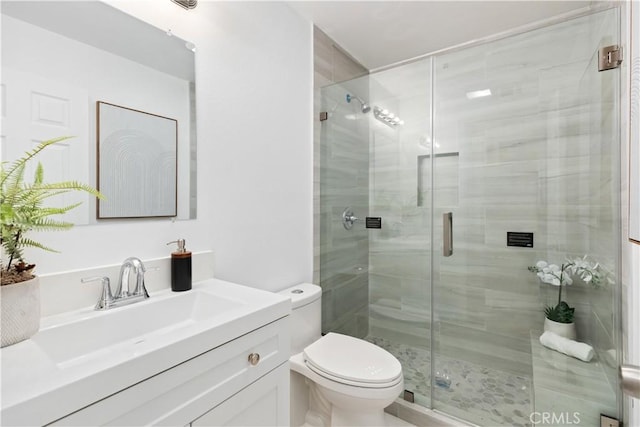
(263, 403)
(179, 395)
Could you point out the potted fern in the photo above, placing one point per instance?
(559, 318)
(22, 210)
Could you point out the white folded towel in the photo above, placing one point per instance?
(576, 349)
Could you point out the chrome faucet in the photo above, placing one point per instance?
(124, 290)
(123, 295)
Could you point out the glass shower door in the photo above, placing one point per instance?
(376, 281)
(344, 184)
(400, 194)
(524, 160)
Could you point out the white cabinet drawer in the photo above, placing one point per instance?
(186, 391)
(263, 403)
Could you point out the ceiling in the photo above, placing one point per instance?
(93, 23)
(380, 33)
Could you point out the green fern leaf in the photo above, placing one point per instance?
(21, 203)
(28, 243)
(21, 162)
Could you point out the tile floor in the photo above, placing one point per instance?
(481, 395)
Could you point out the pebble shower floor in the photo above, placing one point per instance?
(484, 396)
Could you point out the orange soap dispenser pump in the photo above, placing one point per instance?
(180, 267)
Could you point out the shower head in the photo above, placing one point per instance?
(365, 108)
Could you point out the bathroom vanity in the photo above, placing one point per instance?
(214, 356)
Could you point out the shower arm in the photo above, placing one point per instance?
(365, 107)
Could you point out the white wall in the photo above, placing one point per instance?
(254, 101)
(630, 304)
(633, 322)
(630, 251)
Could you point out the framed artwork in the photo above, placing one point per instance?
(137, 163)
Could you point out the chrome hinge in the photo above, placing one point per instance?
(609, 57)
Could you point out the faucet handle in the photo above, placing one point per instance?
(106, 298)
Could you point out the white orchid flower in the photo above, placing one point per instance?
(549, 278)
(563, 275)
(560, 276)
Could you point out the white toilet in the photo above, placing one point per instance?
(349, 381)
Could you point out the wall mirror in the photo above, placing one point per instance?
(60, 59)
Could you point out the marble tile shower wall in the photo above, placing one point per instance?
(399, 253)
(340, 179)
(529, 158)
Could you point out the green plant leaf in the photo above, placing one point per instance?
(21, 204)
(28, 243)
(21, 162)
(561, 313)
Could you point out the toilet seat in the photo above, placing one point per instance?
(361, 390)
(352, 361)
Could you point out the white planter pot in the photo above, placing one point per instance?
(567, 330)
(20, 304)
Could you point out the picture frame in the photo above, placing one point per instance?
(137, 163)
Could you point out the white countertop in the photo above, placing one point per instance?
(38, 387)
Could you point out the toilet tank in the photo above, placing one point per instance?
(306, 314)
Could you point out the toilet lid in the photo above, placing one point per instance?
(352, 359)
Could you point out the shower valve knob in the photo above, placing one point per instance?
(348, 218)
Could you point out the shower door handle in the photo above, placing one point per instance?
(630, 380)
(447, 234)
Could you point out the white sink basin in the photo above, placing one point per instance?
(81, 357)
(133, 326)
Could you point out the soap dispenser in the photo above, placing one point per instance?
(180, 267)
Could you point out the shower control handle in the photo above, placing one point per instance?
(348, 218)
(351, 218)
